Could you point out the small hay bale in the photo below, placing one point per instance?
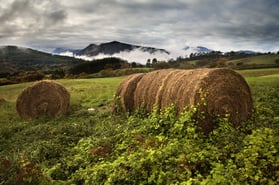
(215, 92)
(43, 98)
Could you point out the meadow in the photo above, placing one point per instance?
(94, 146)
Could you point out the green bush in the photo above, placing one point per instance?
(163, 148)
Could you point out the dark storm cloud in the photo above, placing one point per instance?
(253, 20)
(222, 25)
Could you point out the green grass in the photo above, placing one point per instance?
(88, 92)
(10, 92)
(259, 72)
(100, 147)
(267, 80)
(92, 93)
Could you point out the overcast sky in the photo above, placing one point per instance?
(223, 25)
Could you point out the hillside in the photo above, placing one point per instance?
(114, 47)
(14, 59)
(260, 60)
(232, 60)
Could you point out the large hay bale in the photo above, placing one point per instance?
(125, 93)
(147, 92)
(215, 92)
(2, 101)
(43, 98)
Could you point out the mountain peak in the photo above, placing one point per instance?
(62, 51)
(197, 49)
(115, 42)
(114, 47)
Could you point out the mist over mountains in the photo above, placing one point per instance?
(14, 58)
(58, 51)
(198, 49)
(113, 47)
(129, 52)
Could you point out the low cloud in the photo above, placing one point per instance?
(136, 55)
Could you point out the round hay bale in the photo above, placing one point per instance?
(214, 92)
(2, 101)
(224, 91)
(43, 98)
(148, 88)
(125, 93)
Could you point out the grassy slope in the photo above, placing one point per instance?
(262, 59)
(25, 58)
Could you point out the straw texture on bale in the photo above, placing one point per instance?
(215, 92)
(43, 98)
(124, 92)
(2, 101)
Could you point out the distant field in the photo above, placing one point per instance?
(248, 62)
(261, 59)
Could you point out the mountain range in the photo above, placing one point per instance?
(111, 48)
(14, 58)
(129, 52)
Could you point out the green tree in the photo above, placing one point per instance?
(154, 61)
(148, 63)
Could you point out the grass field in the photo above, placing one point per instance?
(259, 72)
(98, 147)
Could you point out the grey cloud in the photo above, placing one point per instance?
(54, 17)
(29, 17)
(243, 20)
(157, 23)
(16, 8)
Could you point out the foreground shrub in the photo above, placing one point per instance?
(164, 148)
